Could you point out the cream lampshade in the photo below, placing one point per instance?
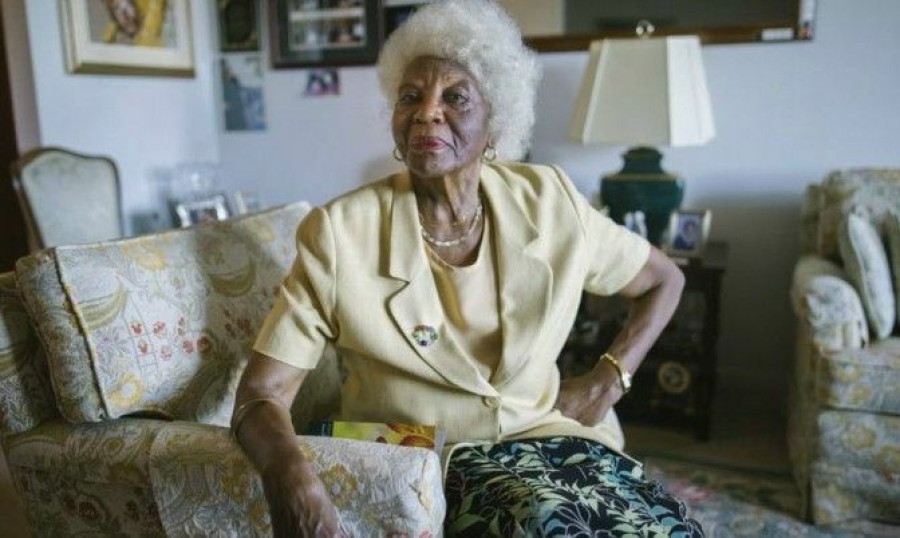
(644, 92)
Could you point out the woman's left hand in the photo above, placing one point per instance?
(587, 398)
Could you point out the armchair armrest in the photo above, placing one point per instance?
(25, 396)
(204, 484)
(828, 305)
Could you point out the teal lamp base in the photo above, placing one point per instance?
(642, 185)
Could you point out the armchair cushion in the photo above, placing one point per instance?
(866, 263)
(25, 397)
(161, 324)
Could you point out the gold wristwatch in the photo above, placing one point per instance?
(624, 376)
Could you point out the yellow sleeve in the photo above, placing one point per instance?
(614, 255)
(302, 320)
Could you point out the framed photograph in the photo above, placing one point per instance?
(128, 37)
(245, 202)
(318, 33)
(204, 210)
(322, 82)
(396, 12)
(687, 233)
(238, 25)
(243, 98)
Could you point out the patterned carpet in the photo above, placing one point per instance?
(741, 503)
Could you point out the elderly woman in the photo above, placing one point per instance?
(449, 290)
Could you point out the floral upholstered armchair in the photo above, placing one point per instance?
(118, 367)
(844, 428)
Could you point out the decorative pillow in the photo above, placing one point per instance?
(866, 263)
(160, 324)
(892, 230)
(870, 192)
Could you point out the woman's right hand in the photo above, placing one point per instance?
(298, 501)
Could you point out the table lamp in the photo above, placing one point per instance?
(644, 92)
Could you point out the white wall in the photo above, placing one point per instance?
(18, 54)
(147, 124)
(785, 113)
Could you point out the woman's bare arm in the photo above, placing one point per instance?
(655, 291)
(299, 503)
(265, 429)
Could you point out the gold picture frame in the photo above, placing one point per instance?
(128, 38)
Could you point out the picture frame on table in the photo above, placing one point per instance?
(125, 38)
(244, 202)
(688, 232)
(212, 208)
(319, 33)
(238, 25)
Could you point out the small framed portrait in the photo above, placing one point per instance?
(203, 210)
(687, 233)
(319, 33)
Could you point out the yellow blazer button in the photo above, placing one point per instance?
(491, 401)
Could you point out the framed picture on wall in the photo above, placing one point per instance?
(396, 12)
(202, 210)
(317, 33)
(128, 37)
(688, 232)
(238, 25)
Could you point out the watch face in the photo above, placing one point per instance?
(673, 377)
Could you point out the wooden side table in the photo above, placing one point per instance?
(675, 384)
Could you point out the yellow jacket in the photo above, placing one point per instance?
(362, 280)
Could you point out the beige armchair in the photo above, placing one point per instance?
(67, 198)
(844, 428)
(118, 367)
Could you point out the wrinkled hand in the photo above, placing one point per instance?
(587, 398)
(299, 504)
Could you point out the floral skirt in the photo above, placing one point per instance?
(561, 486)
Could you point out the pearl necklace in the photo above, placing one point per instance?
(457, 240)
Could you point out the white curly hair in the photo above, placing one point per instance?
(481, 37)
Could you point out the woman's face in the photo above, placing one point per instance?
(440, 119)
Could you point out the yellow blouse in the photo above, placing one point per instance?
(362, 280)
(468, 295)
